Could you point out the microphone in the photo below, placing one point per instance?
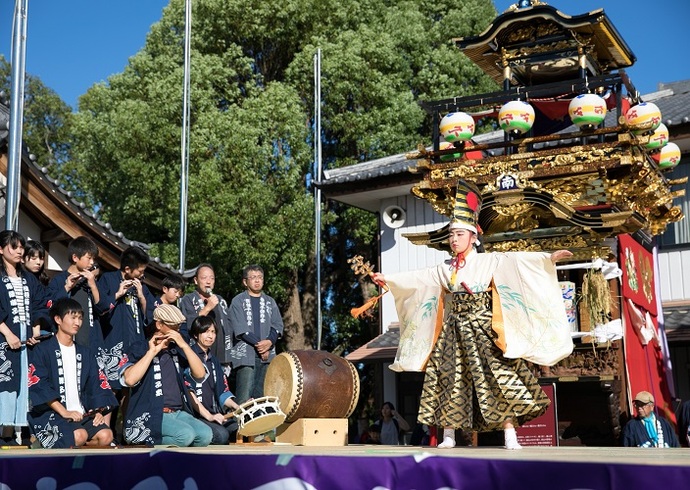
(209, 292)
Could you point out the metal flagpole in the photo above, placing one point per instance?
(317, 197)
(184, 169)
(14, 164)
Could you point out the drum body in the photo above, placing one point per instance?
(312, 384)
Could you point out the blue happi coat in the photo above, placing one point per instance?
(144, 416)
(47, 383)
(213, 392)
(123, 323)
(13, 362)
(92, 312)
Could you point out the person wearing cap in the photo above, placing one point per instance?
(471, 323)
(160, 410)
(647, 429)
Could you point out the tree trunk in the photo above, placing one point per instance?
(293, 319)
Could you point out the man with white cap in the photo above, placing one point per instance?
(471, 322)
(160, 411)
(646, 429)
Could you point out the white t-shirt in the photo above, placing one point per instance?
(69, 366)
(390, 434)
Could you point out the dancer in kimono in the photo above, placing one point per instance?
(23, 300)
(213, 397)
(160, 410)
(471, 322)
(70, 395)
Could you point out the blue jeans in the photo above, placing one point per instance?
(182, 429)
(249, 381)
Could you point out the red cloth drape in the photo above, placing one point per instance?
(644, 363)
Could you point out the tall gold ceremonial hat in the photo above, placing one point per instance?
(468, 203)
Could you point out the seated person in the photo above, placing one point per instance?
(646, 429)
(69, 393)
(372, 435)
(160, 409)
(212, 397)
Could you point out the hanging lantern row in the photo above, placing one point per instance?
(586, 111)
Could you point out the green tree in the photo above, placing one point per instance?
(47, 119)
(251, 144)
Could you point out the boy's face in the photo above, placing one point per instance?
(85, 262)
(171, 295)
(137, 273)
(70, 323)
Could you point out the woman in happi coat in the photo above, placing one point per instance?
(23, 300)
(212, 397)
(471, 322)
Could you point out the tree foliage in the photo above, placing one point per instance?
(251, 145)
(47, 119)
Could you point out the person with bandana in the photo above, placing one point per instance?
(471, 323)
(647, 429)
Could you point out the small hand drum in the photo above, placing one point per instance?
(258, 416)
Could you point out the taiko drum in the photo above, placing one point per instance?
(312, 384)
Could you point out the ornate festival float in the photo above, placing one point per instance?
(582, 165)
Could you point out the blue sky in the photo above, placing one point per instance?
(76, 43)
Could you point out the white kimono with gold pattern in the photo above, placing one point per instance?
(532, 309)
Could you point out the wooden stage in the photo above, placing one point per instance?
(281, 466)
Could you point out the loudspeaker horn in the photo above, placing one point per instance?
(394, 216)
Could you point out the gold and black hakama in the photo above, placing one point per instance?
(468, 384)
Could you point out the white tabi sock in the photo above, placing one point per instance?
(511, 439)
(448, 439)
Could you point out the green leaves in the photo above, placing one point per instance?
(251, 142)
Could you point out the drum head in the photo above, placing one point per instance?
(282, 381)
(259, 416)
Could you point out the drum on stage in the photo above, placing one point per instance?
(312, 384)
(258, 416)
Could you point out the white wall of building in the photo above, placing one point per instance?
(674, 275)
(398, 254)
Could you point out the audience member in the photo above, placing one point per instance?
(647, 429)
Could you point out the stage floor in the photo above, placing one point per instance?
(282, 466)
